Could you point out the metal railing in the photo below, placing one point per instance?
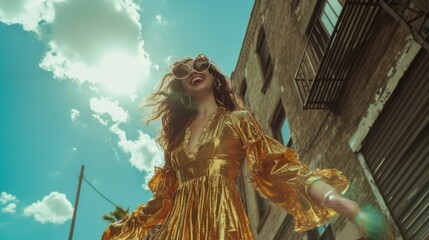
(413, 15)
(327, 59)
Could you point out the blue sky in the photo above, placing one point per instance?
(72, 73)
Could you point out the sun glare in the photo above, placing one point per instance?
(120, 72)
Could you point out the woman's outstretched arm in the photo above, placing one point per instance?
(328, 196)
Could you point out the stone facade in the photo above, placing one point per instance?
(321, 137)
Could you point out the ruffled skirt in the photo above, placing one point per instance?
(208, 208)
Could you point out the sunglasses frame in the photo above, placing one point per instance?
(190, 68)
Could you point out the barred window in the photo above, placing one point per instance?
(280, 126)
(265, 59)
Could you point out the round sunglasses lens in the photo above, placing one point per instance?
(201, 64)
(180, 71)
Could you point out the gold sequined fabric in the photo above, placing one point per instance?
(195, 193)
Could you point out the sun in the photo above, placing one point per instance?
(120, 72)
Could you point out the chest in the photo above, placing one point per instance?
(196, 130)
(216, 140)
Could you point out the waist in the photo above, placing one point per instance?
(208, 167)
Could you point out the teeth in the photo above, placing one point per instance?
(195, 79)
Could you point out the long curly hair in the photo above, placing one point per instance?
(175, 110)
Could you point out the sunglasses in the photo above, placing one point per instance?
(181, 70)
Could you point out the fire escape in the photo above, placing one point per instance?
(413, 15)
(336, 36)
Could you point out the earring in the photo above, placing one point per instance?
(220, 102)
(217, 83)
(183, 102)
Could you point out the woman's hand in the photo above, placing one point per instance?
(349, 209)
(368, 219)
(345, 207)
(326, 195)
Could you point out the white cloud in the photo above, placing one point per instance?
(10, 208)
(97, 41)
(159, 20)
(28, 13)
(54, 208)
(100, 120)
(116, 154)
(74, 113)
(145, 152)
(167, 60)
(106, 106)
(10, 200)
(7, 197)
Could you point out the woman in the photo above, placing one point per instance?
(207, 135)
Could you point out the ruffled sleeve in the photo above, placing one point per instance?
(137, 224)
(278, 175)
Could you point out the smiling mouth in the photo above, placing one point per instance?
(197, 80)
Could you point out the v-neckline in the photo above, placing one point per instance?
(191, 153)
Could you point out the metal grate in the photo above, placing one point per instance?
(397, 151)
(285, 229)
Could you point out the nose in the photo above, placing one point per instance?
(192, 73)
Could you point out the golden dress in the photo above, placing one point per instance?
(195, 194)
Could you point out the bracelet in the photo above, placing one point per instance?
(326, 197)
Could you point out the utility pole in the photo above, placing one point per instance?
(76, 202)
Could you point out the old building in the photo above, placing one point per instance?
(344, 83)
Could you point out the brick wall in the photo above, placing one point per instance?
(320, 136)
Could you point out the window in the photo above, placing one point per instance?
(321, 233)
(324, 21)
(243, 92)
(280, 126)
(330, 12)
(242, 191)
(326, 232)
(263, 210)
(265, 59)
(313, 234)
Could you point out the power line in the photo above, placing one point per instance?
(95, 189)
